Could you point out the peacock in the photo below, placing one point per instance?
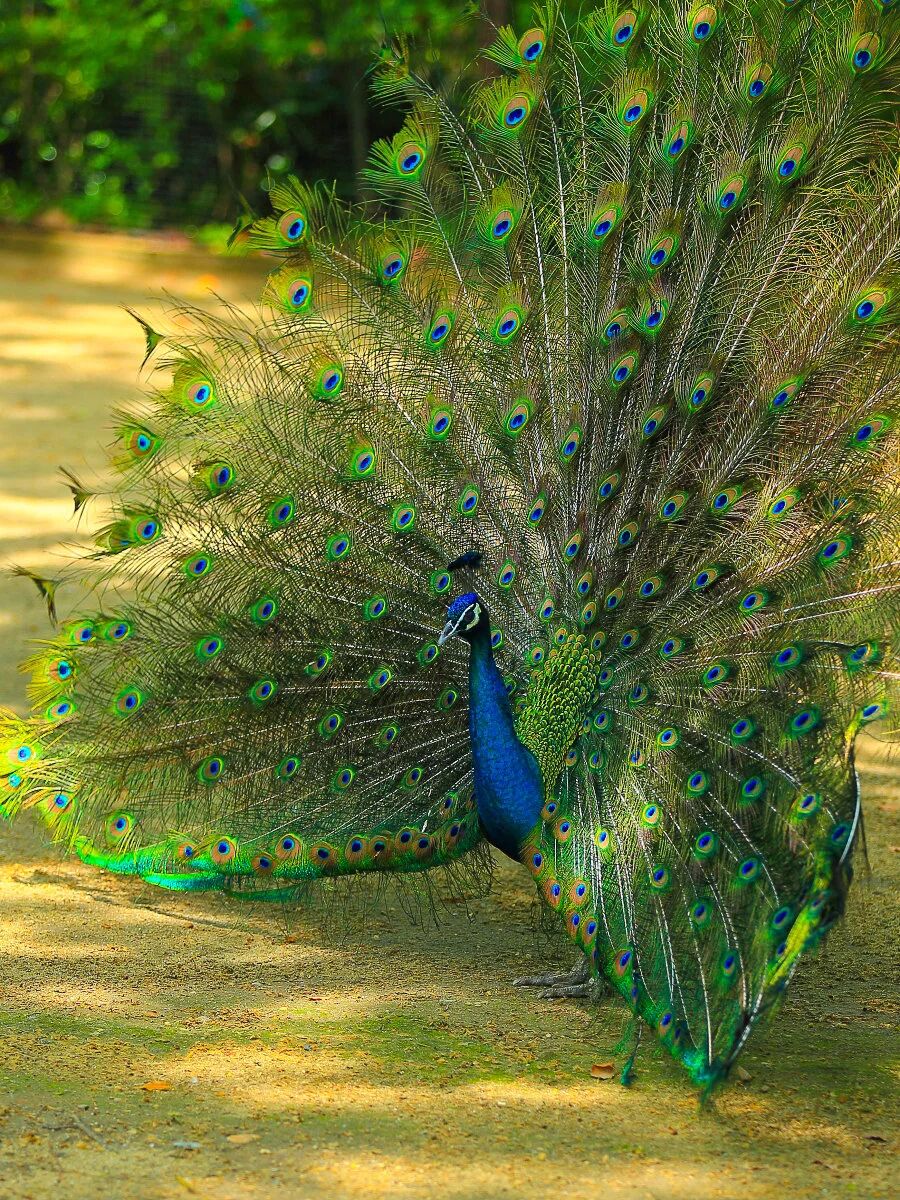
(545, 502)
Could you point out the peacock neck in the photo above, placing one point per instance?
(508, 788)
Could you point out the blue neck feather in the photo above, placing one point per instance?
(508, 788)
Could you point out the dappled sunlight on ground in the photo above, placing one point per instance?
(161, 1047)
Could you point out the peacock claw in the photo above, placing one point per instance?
(576, 983)
(574, 991)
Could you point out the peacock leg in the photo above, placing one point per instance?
(576, 983)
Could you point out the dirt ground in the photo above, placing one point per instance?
(166, 1047)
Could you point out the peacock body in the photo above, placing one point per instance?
(553, 508)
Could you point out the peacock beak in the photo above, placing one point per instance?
(447, 632)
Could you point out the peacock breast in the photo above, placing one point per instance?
(560, 695)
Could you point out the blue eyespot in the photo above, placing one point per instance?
(515, 116)
(676, 147)
(698, 397)
(757, 87)
(299, 296)
(392, 267)
(787, 168)
(613, 330)
(701, 30)
(202, 394)
(602, 228)
(862, 58)
(507, 326)
(653, 320)
(865, 309)
(295, 229)
(411, 162)
(658, 257)
(623, 33)
(633, 113)
(727, 200)
(620, 374)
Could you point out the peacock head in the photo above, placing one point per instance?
(465, 615)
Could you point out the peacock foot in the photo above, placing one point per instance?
(578, 983)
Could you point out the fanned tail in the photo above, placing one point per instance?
(624, 360)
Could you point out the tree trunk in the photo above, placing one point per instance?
(354, 75)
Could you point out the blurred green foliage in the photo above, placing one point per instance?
(145, 113)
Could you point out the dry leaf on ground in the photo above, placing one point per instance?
(603, 1070)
